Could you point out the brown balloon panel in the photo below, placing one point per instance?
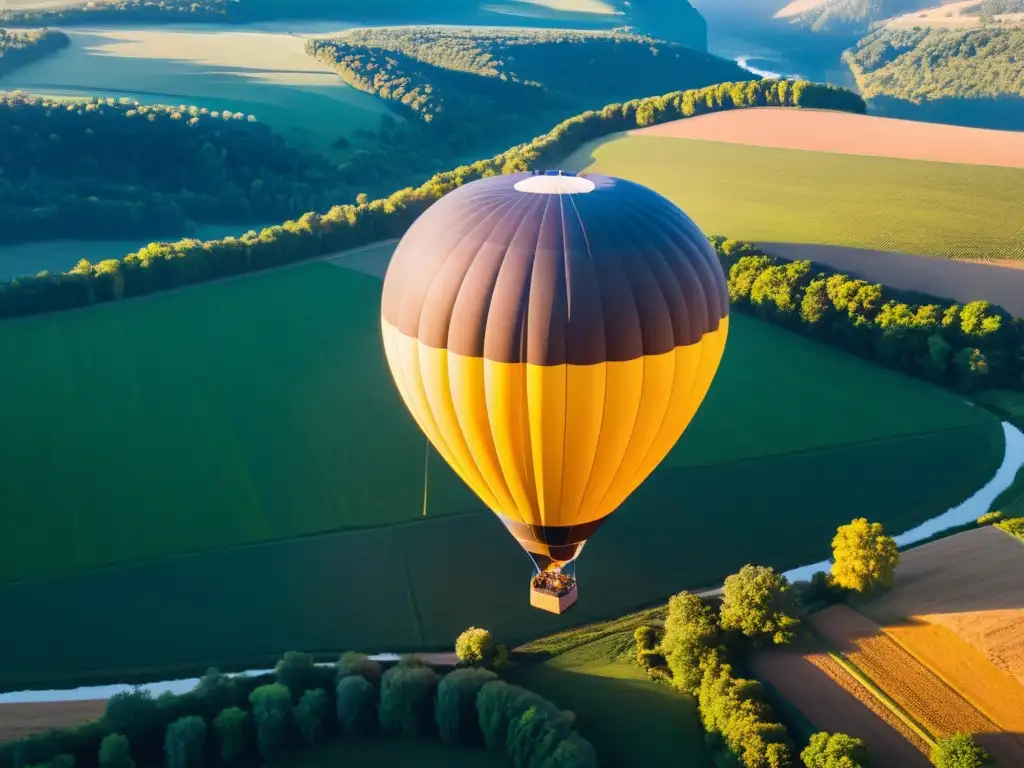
(553, 338)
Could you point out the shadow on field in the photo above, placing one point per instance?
(629, 719)
(1001, 282)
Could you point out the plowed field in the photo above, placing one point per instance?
(934, 704)
(834, 701)
(972, 583)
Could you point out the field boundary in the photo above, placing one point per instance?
(854, 671)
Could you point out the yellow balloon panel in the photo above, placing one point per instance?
(557, 445)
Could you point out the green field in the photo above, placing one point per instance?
(768, 195)
(630, 719)
(374, 752)
(266, 74)
(199, 438)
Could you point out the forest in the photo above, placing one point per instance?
(959, 346)
(170, 264)
(87, 169)
(472, 90)
(20, 48)
(929, 63)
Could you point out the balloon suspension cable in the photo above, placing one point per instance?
(426, 465)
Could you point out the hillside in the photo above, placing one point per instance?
(87, 169)
(20, 48)
(677, 20)
(854, 16)
(970, 76)
(477, 90)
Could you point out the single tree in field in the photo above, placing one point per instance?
(959, 751)
(835, 750)
(758, 602)
(864, 556)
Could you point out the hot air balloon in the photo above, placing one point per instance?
(552, 335)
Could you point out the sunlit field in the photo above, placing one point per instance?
(266, 74)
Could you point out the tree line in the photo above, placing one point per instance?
(20, 48)
(463, 90)
(962, 346)
(235, 720)
(160, 266)
(930, 63)
(88, 169)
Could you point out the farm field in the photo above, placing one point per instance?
(772, 195)
(630, 719)
(833, 700)
(258, 72)
(18, 720)
(972, 584)
(279, 421)
(844, 133)
(931, 702)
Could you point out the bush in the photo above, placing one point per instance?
(475, 647)
(310, 715)
(115, 752)
(989, 518)
(534, 736)
(646, 638)
(185, 742)
(356, 705)
(574, 752)
(757, 602)
(271, 710)
(835, 750)
(353, 663)
(216, 692)
(136, 715)
(1013, 526)
(455, 711)
(298, 673)
(959, 751)
(407, 700)
(691, 630)
(498, 704)
(234, 733)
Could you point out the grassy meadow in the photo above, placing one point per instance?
(263, 73)
(198, 440)
(630, 719)
(769, 195)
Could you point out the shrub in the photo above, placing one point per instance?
(989, 518)
(1013, 526)
(353, 663)
(234, 733)
(297, 672)
(185, 741)
(356, 704)
(136, 715)
(835, 750)
(407, 699)
(498, 704)
(535, 735)
(865, 558)
(691, 630)
(216, 692)
(115, 752)
(271, 709)
(455, 710)
(959, 751)
(475, 647)
(757, 602)
(646, 638)
(573, 752)
(310, 714)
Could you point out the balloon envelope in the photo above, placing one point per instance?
(553, 335)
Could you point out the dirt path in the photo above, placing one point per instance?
(1001, 282)
(849, 134)
(834, 701)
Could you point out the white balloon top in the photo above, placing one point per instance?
(551, 184)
